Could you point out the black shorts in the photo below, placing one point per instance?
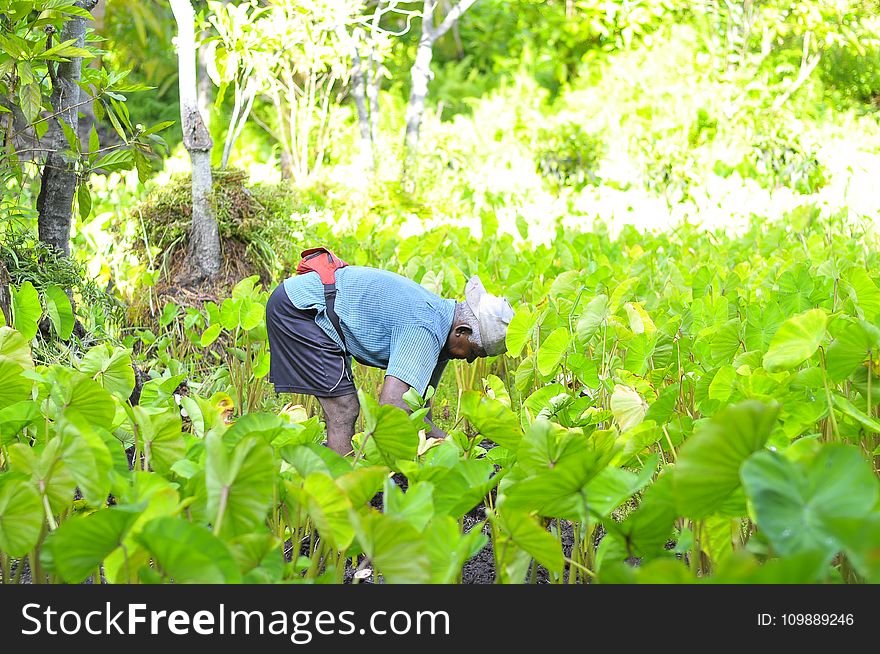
(303, 358)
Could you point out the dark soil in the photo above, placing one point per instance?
(480, 568)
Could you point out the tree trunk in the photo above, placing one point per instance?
(5, 296)
(421, 76)
(374, 81)
(358, 76)
(206, 88)
(55, 201)
(360, 101)
(204, 241)
(88, 110)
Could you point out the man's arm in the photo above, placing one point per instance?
(392, 393)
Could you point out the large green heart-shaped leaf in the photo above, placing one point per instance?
(850, 349)
(796, 341)
(552, 350)
(529, 536)
(26, 310)
(647, 530)
(329, 508)
(14, 386)
(21, 514)
(14, 347)
(613, 486)
(552, 471)
(16, 417)
(796, 503)
(159, 498)
(726, 341)
(416, 506)
(395, 436)
(229, 313)
(240, 486)
(628, 407)
(722, 384)
(449, 549)
(594, 315)
(492, 419)
(89, 461)
(762, 322)
(250, 314)
(82, 398)
(162, 438)
(395, 547)
(796, 287)
(189, 553)
(266, 425)
(309, 457)
(554, 494)
(60, 311)
(458, 489)
(251, 550)
(111, 368)
(519, 331)
(82, 543)
(871, 424)
(865, 292)
(362, 484)
(707, 472)
(48, 471)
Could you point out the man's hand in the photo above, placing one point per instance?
(392, 393)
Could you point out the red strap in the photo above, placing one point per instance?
(322, 261)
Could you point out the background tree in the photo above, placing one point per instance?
(204, 239)
(370, 42)
(421, 74)
(55, 202)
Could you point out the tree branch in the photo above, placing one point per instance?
(451, 17)
(428, 20)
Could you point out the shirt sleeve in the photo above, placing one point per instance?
(413, 356)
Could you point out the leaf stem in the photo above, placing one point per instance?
(580, 567)
(828, 394)
(221, 510)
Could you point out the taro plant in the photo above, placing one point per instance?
(672, 409)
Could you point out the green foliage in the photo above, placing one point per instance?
(703, 399)
(568, 155)
(854, 74)
(780, 160)
(30, 261)
(252, 216)
(552, 39)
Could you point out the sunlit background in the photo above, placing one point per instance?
(646, 112)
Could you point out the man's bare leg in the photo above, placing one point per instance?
(340, 414)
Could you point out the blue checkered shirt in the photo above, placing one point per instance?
(388, 321)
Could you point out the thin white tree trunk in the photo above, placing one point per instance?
(374, 82)
(357, 90)
(205, 87)
(204, 243)
(421, 76)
